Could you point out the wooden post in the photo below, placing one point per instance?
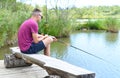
(10, 61)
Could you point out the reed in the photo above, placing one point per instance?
(58, 24)
(92, 25)
(112, 24)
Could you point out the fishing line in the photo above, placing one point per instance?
(89, 54)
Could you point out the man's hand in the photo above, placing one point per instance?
(54, 38)
(42, 36)
(46, 36)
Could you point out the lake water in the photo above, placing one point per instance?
(99, 43)
(102, 44)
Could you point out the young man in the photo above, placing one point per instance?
(29, 40)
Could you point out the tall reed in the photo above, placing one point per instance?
(112, 24)
(59, 23)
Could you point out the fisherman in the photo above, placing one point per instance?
(29, 41)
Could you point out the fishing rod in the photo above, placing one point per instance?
(100, 58)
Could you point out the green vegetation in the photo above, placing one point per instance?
(97, 12)
(94, 25)
(109, 24)
(57, 21)
(112, 24)
(11, 16)
(109, 18)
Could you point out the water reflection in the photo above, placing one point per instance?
(59, 50)
(111, 38)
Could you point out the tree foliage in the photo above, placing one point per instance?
(97, 12)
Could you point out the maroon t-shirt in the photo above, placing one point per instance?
(25, 34)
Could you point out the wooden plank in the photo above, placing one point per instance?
(55, 66)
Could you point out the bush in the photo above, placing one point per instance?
(94, 25)
(10, 20)
(112, 24)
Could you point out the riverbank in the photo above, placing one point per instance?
(33, 71)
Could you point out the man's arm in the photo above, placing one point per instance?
(37, 37)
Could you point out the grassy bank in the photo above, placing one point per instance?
(104, 24)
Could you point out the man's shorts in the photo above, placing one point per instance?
(35, 48)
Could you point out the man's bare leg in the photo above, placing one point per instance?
(47, 42)
(47, 50)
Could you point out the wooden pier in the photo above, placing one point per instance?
(33, 71)
(51, 65)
